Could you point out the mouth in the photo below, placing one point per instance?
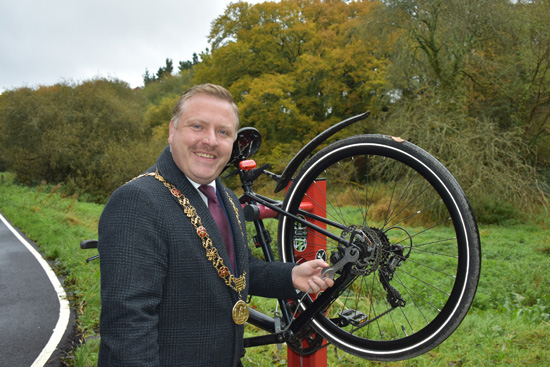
(205, 155)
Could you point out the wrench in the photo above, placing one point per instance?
(351, 254)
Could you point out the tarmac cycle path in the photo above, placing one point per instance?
(35, 317)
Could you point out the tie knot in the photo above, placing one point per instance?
(209, 192)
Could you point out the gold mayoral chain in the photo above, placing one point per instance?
(240, 311)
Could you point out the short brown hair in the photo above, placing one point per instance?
(212, 90)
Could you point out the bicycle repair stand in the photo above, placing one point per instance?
(310, 247)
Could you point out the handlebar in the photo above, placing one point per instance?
(87, 244)
(250, 175)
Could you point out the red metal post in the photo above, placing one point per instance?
(309, 246)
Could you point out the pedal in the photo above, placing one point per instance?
(353, 317)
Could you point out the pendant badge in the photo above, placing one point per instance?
(240, 312)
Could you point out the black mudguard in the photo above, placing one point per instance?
(291, 168)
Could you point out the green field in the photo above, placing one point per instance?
(508, 325)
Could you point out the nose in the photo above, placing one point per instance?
(210, 137)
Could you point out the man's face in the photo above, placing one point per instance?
(203, 141)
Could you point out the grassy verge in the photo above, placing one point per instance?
(509, 324)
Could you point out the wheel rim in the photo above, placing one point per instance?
(425, 319)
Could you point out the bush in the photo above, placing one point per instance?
(486, 161)
(64, 133)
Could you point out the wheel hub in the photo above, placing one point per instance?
(371, 243)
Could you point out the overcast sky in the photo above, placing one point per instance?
(43, 42)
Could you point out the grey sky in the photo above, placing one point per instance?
(43, 42)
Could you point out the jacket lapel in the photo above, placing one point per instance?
(172, 174)
(239, 229)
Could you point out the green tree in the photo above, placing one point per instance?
(510, 79)
(166, 70)
(161, 97)
(155, 91)
(148, 78)
(157, 117)
(432, 42)
(187, 65)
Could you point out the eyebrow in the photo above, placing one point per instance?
(204, 122)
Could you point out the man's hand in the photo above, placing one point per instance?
(306, 277)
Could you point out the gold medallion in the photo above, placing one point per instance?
(240, 312)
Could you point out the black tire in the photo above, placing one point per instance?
(420, 262)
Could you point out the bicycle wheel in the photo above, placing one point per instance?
(420, 255)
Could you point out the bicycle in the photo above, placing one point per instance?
(399, 233)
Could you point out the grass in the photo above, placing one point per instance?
(508, 325)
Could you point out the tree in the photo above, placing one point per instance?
(432, 42)
(294, 67)
(187, 65)
(511, 82)
(465, 69)
(147, 78)
(166, 70)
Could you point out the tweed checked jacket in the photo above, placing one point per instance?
(163, 303)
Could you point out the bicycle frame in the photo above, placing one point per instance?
(250, 198)
(281, 333)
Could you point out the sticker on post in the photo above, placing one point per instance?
(321, 254)
(300, 236)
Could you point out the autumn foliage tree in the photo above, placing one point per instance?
(294, 67)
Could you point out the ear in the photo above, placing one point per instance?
(171, 131)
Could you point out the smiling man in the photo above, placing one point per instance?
(164, 303)
(202, 132)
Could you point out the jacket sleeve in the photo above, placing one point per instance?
(267, 279)
(273, 279)
(133, 267)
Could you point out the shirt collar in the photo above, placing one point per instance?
(197, 185)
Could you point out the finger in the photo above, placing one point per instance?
(318, 263)
(325, 283)
(313, 286)
(322, 263)
(319, 284)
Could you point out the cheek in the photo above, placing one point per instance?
(228, 148)
(180, 139)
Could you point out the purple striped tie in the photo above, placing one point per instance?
(221, 220)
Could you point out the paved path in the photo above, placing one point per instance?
(34, 313)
